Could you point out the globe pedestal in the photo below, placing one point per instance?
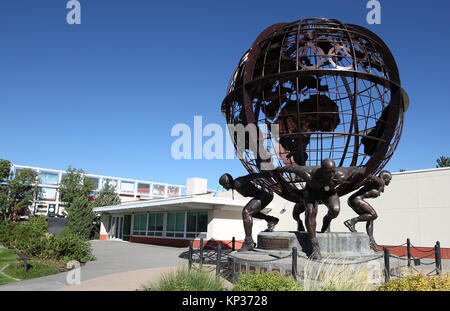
(335, 244)
(339, 249)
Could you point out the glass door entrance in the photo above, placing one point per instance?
(116, 228)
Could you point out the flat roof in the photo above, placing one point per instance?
(422, 171)
(192, 202)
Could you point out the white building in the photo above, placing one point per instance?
(48, 200)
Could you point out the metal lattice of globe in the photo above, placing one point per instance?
(333, 91)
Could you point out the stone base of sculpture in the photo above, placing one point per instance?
(273, 253)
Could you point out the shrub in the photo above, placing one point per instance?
(266, 282)
(67, 246)
(8, 233)
(28, 237)
(32, 239)
(67, 230)
(184, 280)
(417, 283)
(37, 224)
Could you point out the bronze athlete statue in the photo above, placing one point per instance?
(372, 188)
(321, 182)
(261, 198)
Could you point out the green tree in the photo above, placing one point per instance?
(106, 197)
(16, 191)
(81, 217)
(443, 162)
(74, 189)
(5, 170)
(74, 186)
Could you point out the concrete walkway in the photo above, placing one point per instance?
(131, 280)
(125, 281)
(113, 258)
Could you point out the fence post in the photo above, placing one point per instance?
(387, 268)
(233, 244)
(408, 250)
(190, 254)
(201, 253)
(437, 255)
(219, 258)
(294, 263)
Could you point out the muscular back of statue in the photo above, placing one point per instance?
(248, 189)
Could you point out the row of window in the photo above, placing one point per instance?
(126, 188)
(177, 224)
(50, 193)
(52, 179)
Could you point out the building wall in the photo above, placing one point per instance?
(221, 228)
(279, 207)
(104, 222)
(226, 224)
(413, 206)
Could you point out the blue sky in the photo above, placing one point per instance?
(104, 95)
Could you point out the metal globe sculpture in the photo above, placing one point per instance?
(331, 90)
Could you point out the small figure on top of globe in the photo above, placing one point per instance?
(314, 89)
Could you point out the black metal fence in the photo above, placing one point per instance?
(217, 255)
(412, 261)
(208, 254)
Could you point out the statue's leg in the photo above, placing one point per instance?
(310, 218)
(367, 212)
(354, 202)
(333, 206)
(265, 199)
(298, 209)
(296, 212)
(369, 229)
(251, 208)
(310, 221)
(271, 221)
(364, 210)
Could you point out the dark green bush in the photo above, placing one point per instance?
(68, 246)
(67, 231)
(8, 234)
(32, 239)
(37, 224)
(418, 283)
(266, 282)
(28, 237)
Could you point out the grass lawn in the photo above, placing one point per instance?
(15, 268)
(7, 256)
